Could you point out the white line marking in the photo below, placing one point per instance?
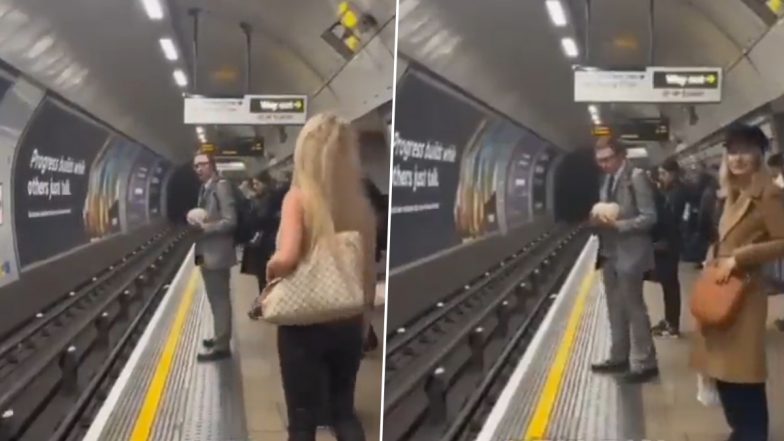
(102, 417)
(509, 393)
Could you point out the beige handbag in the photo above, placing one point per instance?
(326, 286)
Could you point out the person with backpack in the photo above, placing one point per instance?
(625, 255)
(215, 251)
(671, 201)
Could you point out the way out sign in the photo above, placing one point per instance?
(650, 85)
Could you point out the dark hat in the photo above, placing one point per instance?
(671, 165)
(745, 134)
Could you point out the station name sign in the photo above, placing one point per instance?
(247, 110)
(651, 85)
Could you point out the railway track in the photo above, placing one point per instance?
(446, 367)
(57, 366)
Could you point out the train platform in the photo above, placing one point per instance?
(553, 395)
(162, 393)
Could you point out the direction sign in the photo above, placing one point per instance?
(650, 85)
(247, 110)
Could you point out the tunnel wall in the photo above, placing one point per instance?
(75, 195)
(469, 188)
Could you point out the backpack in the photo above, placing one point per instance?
(244, 230)
(659, 230)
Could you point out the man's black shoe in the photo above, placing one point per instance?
(214, 355)
(208, 343)
(610, 367)
(641, 376)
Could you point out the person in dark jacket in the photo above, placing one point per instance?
(266, 205)
(667, 246)
(378, 201)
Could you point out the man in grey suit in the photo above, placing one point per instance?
(216, 253)
(625, 255)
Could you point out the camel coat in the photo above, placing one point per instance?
(752, 230)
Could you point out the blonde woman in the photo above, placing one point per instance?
(751, 234)
(326, 196)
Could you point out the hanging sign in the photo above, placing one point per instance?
(651, 85)
(247, 110)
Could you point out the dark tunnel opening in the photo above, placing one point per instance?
(576, 186)
(182, 193)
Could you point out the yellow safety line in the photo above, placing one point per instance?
(540, 422)
(149, 410)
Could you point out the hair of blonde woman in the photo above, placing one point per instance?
(728, 184)
(328, 174)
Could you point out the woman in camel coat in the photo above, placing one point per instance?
(751, 233)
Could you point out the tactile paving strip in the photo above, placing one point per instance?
(589, 406)
(123, 417)
(516, 417)
(592, 406)
(201, 402)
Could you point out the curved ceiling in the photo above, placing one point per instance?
(288, 54)
(508, 54)
(104, 55)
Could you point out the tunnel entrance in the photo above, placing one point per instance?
(576, 186)
(182, 193)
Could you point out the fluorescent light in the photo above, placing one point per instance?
(180, 78)
(556, 11)
(169, 50)
(637, 152)
(231, 166)
(569, 47)
(153, 8)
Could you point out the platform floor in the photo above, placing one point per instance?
(265, 408)
(553, 395)
(164, 394)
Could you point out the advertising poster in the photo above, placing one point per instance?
(519, 184)
(138, 192)
(155, 203)
(52, 174)
(432, 130)
(539, 179)
(480, 197)
(106, 188)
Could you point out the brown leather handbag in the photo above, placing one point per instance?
(714, 304)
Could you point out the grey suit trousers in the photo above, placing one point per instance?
(217, 285)
(630, 325)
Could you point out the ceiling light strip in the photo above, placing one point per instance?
(169, 49)
(153, 8)
(557, 13)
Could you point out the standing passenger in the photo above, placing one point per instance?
(776, 166)
(751, 234)
(215, 253)
(626, 254)
(667, 249)
(326, 196)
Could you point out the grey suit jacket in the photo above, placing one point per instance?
(215, 247)
(629, 246)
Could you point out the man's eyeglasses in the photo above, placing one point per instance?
(197, 165)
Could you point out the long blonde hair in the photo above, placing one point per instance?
(327, 171)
